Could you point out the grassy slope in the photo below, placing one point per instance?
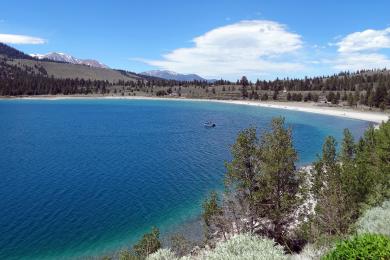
(66, 70)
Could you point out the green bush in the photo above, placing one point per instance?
(375, 220)
(366, 246)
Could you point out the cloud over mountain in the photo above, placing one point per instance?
(251, 46)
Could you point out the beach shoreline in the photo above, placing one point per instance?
(307, 107)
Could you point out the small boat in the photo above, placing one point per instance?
(209, 124)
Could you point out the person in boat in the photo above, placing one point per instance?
(209, 124)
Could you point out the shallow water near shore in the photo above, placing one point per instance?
(87, 177)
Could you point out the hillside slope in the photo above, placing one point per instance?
(64, 70)
(67, 70)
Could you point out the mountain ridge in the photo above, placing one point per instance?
(171, 75)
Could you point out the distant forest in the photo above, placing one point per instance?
(370, 88)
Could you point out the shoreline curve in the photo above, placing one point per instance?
(374, 117)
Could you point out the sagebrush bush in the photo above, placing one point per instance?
(162, 254)
(245, 247)
(375, 220)
(310, 252)
(239, 247)
(365, 246)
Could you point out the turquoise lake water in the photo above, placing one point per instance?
(84, 177)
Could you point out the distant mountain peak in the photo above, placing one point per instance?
(63, 57)
(171, 75)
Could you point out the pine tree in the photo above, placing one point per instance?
(277, 178)
(240, 178)
(149, 244)
(262, 180)
(210, 208)
(244, 83)
(348, 148)
(333, 214)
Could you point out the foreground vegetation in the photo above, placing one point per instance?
(337, 209)
(367, 246)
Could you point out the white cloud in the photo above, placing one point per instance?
(20, 39)
(358, 61)
(248, 47)
(361, 50)
(368, 40)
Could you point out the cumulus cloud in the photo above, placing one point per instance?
(358, 61)
(362, 50)
(367, 40)
(247, 47)
(20, 39)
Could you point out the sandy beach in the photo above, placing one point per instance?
(308, 107)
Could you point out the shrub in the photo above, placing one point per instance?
(180, 245)
(239, 247)
(161, 93)
(311, 252)
(162, 254)
(375, 220)
(148, 244)
(366, 246)
(245, 246)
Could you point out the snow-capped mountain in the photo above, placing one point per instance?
(62, 57)
(171, 75)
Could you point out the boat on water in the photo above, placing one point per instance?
(209, 124)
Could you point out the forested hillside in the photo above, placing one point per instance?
(13, 53)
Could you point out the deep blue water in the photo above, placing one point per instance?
(82, 177)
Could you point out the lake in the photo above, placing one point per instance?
(81, 177)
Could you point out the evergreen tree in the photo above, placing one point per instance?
(240, 178)
(213, 216)
(373, 165)
(210, 208)
(333, 214)
(277, 179)
(149, 244)
(244, 89)
(348, 148)
(263, 180)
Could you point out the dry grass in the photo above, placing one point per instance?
(66, 70)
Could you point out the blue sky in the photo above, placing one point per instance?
(260, 39)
